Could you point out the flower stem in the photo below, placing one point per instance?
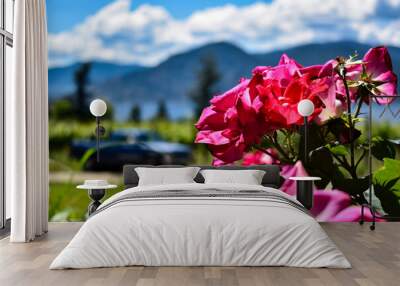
(361, 157)
(274, 142)
(358, 110)
(350, 119)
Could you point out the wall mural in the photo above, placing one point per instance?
(184, 84)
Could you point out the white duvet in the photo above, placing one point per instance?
(200, 231)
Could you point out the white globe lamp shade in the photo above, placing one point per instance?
(305, 107)
(98, 107)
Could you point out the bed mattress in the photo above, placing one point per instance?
(201, 225)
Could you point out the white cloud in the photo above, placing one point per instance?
(150, 34)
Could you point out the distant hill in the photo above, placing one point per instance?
(61, 79)
(312, 54)
(173, 79)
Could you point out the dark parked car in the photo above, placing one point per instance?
(172, 153)
(131, 146)
(114, 156)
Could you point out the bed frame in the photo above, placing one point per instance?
(271, 178)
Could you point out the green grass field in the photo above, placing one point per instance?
(70, 204)
(61, 134)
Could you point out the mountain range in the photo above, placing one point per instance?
(61, 79)
(173, 79)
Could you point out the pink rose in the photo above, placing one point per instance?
(296, 170)
(238, 119)
(329, 205)
(335, 206)
(231, 124)
(260, 158)
(379, 72)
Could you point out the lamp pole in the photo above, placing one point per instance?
(97, 139)
(305, 108)
(98, 108)
(305, 140)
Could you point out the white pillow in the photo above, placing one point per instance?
(166, 176)
(248, 177)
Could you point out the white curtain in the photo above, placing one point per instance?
(27, 124)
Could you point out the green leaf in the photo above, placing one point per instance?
(386, 182)
(354, 187)
(395, 142)
(88, 154)
(382, 148)
(354, 83)
(321, 165)
(340, 128)
(315, 140)
(339, 150)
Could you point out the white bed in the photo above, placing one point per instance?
(207, 230)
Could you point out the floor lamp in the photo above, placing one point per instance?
(305, 184)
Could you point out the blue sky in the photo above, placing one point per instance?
(64, 14)
(148, 32)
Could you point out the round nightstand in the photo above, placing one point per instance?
(304, 192)
(96, 190)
